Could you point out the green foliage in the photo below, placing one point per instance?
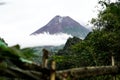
(66, 49)
(14, 55)
(3, 65)
(108, 25)
(98, 46)
(109, 18)
(3, 45)
(29, 53)
(69, 61)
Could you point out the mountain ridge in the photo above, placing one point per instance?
(63, 25)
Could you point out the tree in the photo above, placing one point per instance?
(108, 18)
(108, 26)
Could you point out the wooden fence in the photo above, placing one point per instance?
(42, 72)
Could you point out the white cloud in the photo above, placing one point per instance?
(19, 18)
(39, 40)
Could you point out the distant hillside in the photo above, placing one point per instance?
(38, 51)
(63, 25)
(66, 49)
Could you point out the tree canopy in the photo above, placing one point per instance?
(100, 44)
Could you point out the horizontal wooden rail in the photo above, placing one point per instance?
(87, 72)
(62, 75)
(42, 72)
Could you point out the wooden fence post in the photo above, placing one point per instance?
(45, 58)
(64, 76)
(113, 64)
(52, 70)
(112, 59)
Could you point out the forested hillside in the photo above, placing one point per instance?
(96, 49)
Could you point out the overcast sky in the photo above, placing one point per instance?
(19, 18)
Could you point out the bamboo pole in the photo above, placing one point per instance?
(62, 75)
(113, 64)
(45, 58)
(88, 71)
(52, 73)
(15, 72)
(112, 59)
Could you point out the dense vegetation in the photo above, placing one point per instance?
(99, 45)
(14, 56)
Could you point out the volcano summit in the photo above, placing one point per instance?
(65, 25)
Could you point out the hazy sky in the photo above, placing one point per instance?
(19, 18)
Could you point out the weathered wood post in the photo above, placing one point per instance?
(64, 76)
(87, 72)
(113, 64)
(112, 59)
(45, 58)
(52, 70)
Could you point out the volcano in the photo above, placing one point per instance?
(65, 25)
